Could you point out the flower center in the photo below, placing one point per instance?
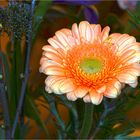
(91, 65)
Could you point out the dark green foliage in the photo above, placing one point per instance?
(109, 120)
(32, 112)
(73, 124)
(53, 109)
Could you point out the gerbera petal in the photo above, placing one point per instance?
(81, 92)
(111, 91)
(128, 55)
(135, 58)
(87, 99)
(49, 48)
(50, 63)
(96, 32)
(117, 85)
(55, 86)
(96, 98)
(43, 59)
(75, 32)
(71, 41)
(42, 67)
(53, 70)
(120, 39)
(89, 33)
(105, 33)
(134, 84)
(54, 83)
(132, 71)
(50, 79)
(71, 96)
(43, 64)
(67, 86)
(53, 56)
(63, 39)
(132, 46)
(114, 37)
(58, 51)
(82, 29)
(92, 25)
(126, 78)
(66, 31)
(123, 42)
(101, 89)
(48, 89)
(55, 43)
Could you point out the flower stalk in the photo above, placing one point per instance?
(26, 72)
(87, 122)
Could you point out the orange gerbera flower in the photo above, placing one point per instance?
(88, 63)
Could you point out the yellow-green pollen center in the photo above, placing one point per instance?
(91, 65)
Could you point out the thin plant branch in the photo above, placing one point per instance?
(107, 110)
(4, 103)
(3, 97)
(5, 111)
(26, 72)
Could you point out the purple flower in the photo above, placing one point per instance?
(77, 2)
(91, 14)
(127, 4)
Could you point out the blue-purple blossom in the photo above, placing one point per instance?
(77, 2)
(127, 4)
(90, 14)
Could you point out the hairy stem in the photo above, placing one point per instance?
(26, 71)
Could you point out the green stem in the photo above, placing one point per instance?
(16, 70)
(13, 99)
(87, 122)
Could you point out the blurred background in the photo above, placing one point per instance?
(122, 16)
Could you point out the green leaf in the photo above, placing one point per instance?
(15, 80)
(127, 137)
(134, 24)
(53, 109)
(134, 17)
(59, 9)
(123, 130)
(40, 12)
(114, 22)
(8, 51)
(33, 112)
(7, 73)
(24, 129)
(133, 103)
(73, 126)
